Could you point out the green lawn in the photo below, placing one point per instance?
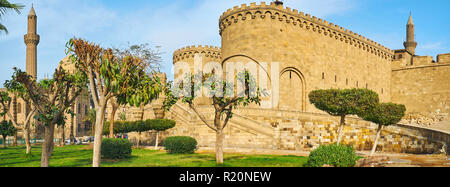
(81, 156)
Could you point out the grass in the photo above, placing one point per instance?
(81, 156)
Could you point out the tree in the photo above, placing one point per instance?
(151, 58)
(383, 114)
(6, 129)
(224, 100)
(19, 90)
(345, 102)
(52, 99)
(151, 61)
(5, 7)
(159, 125)
(108, 76)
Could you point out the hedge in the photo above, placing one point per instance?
(139, 126)
(116, 148)
(180, 145)
(333, 155)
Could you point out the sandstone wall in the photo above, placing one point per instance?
(288, 130)
(313, 54)
(424, 88)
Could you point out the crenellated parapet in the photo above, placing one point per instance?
(302, 21)
(190, 51)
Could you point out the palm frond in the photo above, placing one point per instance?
(3, 28)
(6, 6)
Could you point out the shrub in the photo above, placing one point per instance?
(334, 155)
(139, 126)
(180, 145)
(116, 148)
(160, 124)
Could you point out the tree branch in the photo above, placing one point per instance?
(201, 117)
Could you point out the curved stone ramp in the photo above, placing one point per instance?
(306, 131)
(239, 121)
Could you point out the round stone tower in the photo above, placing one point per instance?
(312, 53)
(187, 55)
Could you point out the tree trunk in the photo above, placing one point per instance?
(27, 138)
(62, 143)
(341, 126)
(47, 147)
(142, 110)
(100, 117)
(15, 139)
(156, 141)
(111, 120)
(71, 135)
(219, 147)
(15, 119)
(138, 139)
(374, 148)
(4, 142)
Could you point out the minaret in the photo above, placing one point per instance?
(32, 40)
(410, 44)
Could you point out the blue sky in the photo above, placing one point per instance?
(173, 24)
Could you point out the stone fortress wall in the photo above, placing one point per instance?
(422, 84)
(313, 54)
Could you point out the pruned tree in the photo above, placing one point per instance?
(19, 90)
(160, 125)
(337, 102)
(6, 129)
(108, 76)
(224, 99)
(150, 62)
(383, 114)
(151, 58)
(52, 99)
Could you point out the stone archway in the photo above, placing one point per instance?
(292, 90)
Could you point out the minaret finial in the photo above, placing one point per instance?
(410, 20)
(32, 12)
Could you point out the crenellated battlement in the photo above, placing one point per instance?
(190, 51)
(303, 21)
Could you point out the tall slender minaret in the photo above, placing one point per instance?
(410, 44)
(32, 40)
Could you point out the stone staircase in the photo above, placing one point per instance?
(238, 121)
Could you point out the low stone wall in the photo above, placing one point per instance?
(291, 130)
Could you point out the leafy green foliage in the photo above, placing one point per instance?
(51, 97)
(161, 124)
(339, 102)
(139, 126)
(6, 6)
(5, 101)
(116, 148)
(334, 155)
(180, 145)
(7, 129)
(385, 114)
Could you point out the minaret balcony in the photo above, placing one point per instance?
(31, 39)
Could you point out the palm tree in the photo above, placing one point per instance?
(5, 7)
